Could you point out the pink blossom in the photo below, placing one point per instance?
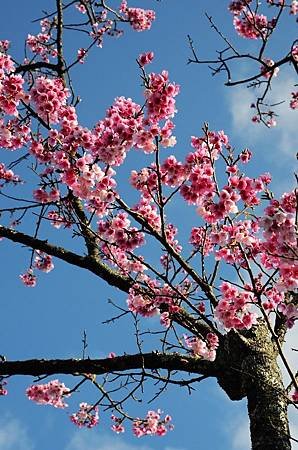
(238, 6)
(140, 19)
(117, 426)
(251, 26)
(11, 93)
(266, 72)
(294, 100)
(233, 309)
(3, 390)
(204, 349)
(294, 396)
(145, 58)
(115, 135)
(29, 279)
(200, 239)
(81, 55)
(119, 232)
(57, 220)
(40, 195)
(81, 8)
(294, 7)
(49, 95)
(43, 262)
(245, 156)
(51, 393)
(87, 416)
(7, 175)
(271, 122)
(290, 312)
(153, 424)
(160, 97)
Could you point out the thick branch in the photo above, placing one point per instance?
(85, 262)
(35, 66)
(154, 360)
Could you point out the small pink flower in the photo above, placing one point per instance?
(28, 279)
(87, 416)
(145, 58)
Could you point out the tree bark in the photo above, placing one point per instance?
(267, 407)
(251, 371)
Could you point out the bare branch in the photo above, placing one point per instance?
(154, 360)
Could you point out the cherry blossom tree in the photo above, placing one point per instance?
(224, 302)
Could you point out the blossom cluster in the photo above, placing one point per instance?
(233, 309)
(160, 95)
(13, 134)
(140, 19)
(43, 262)
(119, 232)
(145, 58)
(41, 196)
(42, 44)
(117, 426)
(248, 23)
(125, 262)
(28, 278)
(153, 424)
(280, 240)
(114, 135)
(252, 25)
(206, 349)
(87, 416)
(294, 100)
(147, 303)
(201, 189)
(51, 393)
(125, 126)
(48, 96)
(7, 175)
(3, 390)
(11, 90)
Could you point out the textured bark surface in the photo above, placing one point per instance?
(267, 407)
(267, 400)
(254, 373)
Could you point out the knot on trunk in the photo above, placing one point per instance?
(241, 354)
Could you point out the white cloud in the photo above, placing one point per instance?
(239, 430)
(293, 427)
(85, 440)
(14, 436)
(291, 356)
(281, 140)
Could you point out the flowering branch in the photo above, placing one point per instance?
(86, 262)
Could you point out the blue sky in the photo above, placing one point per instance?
(48, 321)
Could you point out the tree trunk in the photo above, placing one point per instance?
(250, 370)
(267, 406)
